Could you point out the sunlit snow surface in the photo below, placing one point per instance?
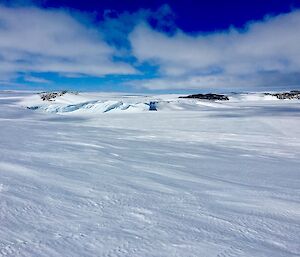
(195, 178)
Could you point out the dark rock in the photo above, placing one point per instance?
(207, 97)
(152, 106)
(32, 107)
(295, 94)
(50, 96)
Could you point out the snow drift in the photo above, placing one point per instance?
(195, 178)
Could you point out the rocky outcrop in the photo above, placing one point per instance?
(295, 94)
(152, 106)
(50, 96)
(207, 97)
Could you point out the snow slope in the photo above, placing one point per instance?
(195, 178)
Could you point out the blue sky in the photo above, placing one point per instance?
(150, 46)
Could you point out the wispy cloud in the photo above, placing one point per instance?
(37, 40)
(117, 26)
(33, 79)
(148, 45)
(263, 52)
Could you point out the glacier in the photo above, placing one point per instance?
(98, 174)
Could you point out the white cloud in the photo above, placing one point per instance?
(34, 79)
(233, 58)
(264, 54)
(37, 40)
(223, 82)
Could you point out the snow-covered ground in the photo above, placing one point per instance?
(100, 175)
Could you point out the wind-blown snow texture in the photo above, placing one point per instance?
(211, 179)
